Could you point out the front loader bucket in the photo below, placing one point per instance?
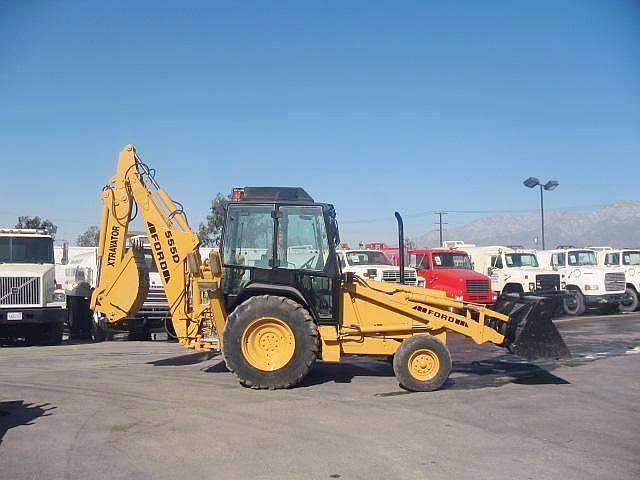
(530, 333)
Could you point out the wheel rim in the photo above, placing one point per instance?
(424, 364)
(268, 344)
(627, 300)
(571, 302)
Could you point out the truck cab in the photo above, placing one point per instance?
(627, 259)
(513, 269)
(589, 284)
(374, 264)
(451, 271)
(32, 305)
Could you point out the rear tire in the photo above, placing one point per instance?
(422, 364)
(53, 334)
(270, 342)
(630, 301)
(574, 304)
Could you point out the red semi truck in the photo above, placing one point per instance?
(447, 270)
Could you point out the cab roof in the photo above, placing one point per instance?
(275, 194)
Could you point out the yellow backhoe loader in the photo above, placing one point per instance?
(273, 298)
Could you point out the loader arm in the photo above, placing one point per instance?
(191, 285)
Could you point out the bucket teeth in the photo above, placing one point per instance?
(530, 332)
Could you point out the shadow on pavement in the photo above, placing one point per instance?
(189, 359)
(16, 413)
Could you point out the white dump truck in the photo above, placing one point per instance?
(32, 305)
(588, 284)
(375, 265)
(512, 269)
(627, 259)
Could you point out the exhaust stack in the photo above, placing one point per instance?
(401, 246)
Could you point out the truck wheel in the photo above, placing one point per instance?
(53, 334)
(630, 301)
(99, 331)
(573, 303)
(422, 363)
(270, 342)
(33, 335)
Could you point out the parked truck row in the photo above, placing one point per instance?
(42, 285)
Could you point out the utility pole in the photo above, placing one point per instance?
(440, 223)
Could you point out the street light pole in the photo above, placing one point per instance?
(533, 182)
(542, 213)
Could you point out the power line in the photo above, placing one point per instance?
(474, 212)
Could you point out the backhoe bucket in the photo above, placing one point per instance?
(530, 332)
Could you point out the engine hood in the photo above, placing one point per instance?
(462, 274)
(24, 269)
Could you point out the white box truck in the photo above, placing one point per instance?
(588, 284)
(32, 305)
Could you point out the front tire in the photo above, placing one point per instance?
(270, 342)
(422, 364)
(630, 301)
(574, 304)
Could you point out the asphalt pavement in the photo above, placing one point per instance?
(151, 410)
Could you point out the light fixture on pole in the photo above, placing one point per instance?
(533, 182)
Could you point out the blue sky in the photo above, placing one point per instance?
(374, 106)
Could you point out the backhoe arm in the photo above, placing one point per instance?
(191, 285)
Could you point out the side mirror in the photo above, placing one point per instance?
(193, 263)
(490, 271)
(347, 277)
(215, 263)
(65, 253)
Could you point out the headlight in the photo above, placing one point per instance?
(532, 286)
(563, 285)
(458, 297)
(59, 297)
(591, 286)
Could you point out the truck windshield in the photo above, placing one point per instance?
(521, 260)
(451, 260)
(631, 258)
(26, 250)
(367, 258)
(582, 258)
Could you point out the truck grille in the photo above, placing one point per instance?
(614, 282)
(410, 277)
(155, 306)
(19, 290)
(477, 286)
(548, 282)
(478, 291)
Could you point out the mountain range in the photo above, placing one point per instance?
(616, 225)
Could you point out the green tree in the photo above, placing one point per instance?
(210, 232)
(89, 238)
(37, 222)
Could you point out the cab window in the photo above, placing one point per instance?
(612, 259)
(302, 238)
(558, 260)
(249, 236)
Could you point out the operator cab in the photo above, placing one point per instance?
(278, 240)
